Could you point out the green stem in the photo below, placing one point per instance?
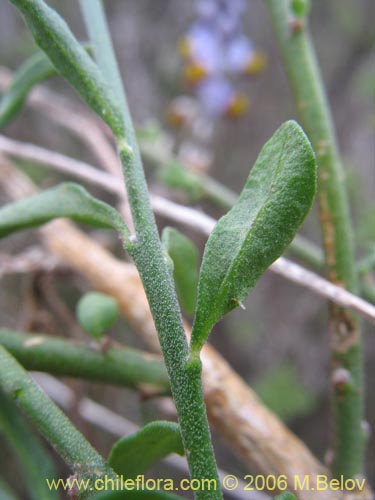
(147, 253)
(304, 75)
(119, 366)
(96, 25)
(50, 421)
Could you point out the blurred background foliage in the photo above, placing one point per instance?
(279, 344)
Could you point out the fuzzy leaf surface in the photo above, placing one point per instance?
(133, 455)
(68, 200)
(184, 255)
(53, 35)
(277, 196)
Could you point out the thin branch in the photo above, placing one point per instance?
(253, 432)
(49, 420)
(346, 343)
(92, 133)
(187, 216)
(73, 117)
(62, 163)
(117, 365)
(321, 286)
(186, 382)
(119, 426)
(88, 173)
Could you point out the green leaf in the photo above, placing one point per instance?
(66, 200)
(134, 454)
(53, 35)
(135, 495)
(273, 204)
(97, 312)
(35, 462)
(35, 70)
(184, 255)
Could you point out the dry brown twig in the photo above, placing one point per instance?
(61, 110)
(93, 133)
(248, 427)
(184, 215)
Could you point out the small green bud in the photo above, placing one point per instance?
(96, 313)
(300, 8)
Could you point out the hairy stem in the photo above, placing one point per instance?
(119, 366)
(50, 421)
(147, 253)
(345, 336)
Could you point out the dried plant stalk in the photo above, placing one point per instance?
(251, 430)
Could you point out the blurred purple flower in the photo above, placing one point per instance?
(215, 94)
(239, 52)
(206, 9)
(204, 46)
(216, 51)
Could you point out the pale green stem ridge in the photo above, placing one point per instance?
(304, 75)
(147, 253)
(102, 44)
